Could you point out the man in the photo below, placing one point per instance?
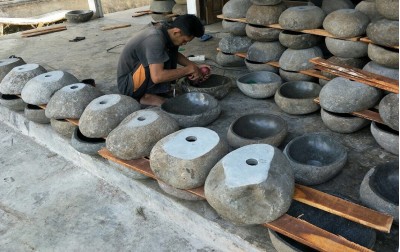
(149, 61)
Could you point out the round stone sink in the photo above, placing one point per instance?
(380, 188)
(15, 80)
(257, 128)
(62, 127)
(86, 145)
(254, 66)
(35, 114)
(12, 102)
(79, 16)
(386, 137)
(216, 85)
(315, 158)
(297, 97)
(192, 109)
(342, 122)
(259, 85)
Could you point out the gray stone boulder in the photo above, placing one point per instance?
(352, 62)
(261, 33)
(229, 60)
(236, 186)
(136, 135)
(265, 51)
(179, 9)
(86, 145)
(384, 32)
(384, 56)
(236, 8)
(41, 88)
(330, 6)
(369, 9)
(235, 28)
(183, 159)
(12, 102)
(259, 85)
(386, 137)
(376, 68)
(297, 60)
(388, 8)
(297, 40)
(343, 122)
(264, 14)
(254, 66)
(178, 193)
(346, 23)
(6, 65)
(164, 6)
(35, 114)
(265, 2)
(346, 48)
(301, 18)
(104, 113)
(63, 127)
(313, 164)
(342, 95)
(70, 101)
(15, 80)
(389, 110)
(234, 44)
(294, 76)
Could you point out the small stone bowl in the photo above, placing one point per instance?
(192, 109)
(35, 114)
(342, 122)
(259, 84)
(257, 129)
(216, 85)
(12, 102)
(297, 97)
(86, 145)
(315, 158)
(386, 137)
(79, 16)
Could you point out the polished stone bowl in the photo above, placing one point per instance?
(192, 109)
(257, 128)
(260, 84)
(79, 16)
(315, 158)
(216, 85)
(386, 137)
(297, 97)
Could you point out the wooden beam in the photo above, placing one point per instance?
(113, 27)
(43, 30)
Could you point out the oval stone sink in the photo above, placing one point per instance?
(315, 158)
(35, 114)
(257, 128)
(192, 109)
(342, 122)
(259, 85)
(86, 145)
(386, 137)
(12, 102)
(216, 85)
(79, 16)
(15, 80)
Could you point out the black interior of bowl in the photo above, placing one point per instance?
(346, 115)
(78, 12)
(214, 80)
(317, 150)
(385, 181)
(258, 126)
(88, 139)
(386, 128)
(254, 62)
(261, 77)
(9, 97)
(33, 107)
(189, 104)
(300, 90)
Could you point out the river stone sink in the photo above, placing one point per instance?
(298, 40)
(262, 33)
(388, 8)
(389, 110)
(178, 193)
(297, 60)
(35, 114)
(70, 101)
(229, 60)
(12, 102)
(384, 32)
(234, 44)
(384, 56)
(329, 6)
(346, 48)
(236, 8)
(183, 159)
(379, 189)
(342, 122)
(265, 51)
(254, 66)
(386, 137)
(337, 225)
(136, 135)
(266, 2)
(86, 145)
(302, 18)
(315, 158)
(346, 23)
(216, 85)
(104, 113)
(63, 127)
(264, 14)
(233, 27)
(259, 85)
(236, 186)
(15, 80)
(192, 109)
(376, 68)
(41, 88)
(369, 9)
(294, 76)
(6, 65)
(297, 97)
(342, 95)
(164, 6)
(257, 129)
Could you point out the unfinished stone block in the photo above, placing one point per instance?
(6, 65)
(183, 159)
(15, 80)
(251, 185)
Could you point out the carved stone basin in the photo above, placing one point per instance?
(216, 85)
(259, 85)
(12, 102)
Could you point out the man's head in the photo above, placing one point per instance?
(184, 28)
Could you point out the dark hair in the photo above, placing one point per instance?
(189, 24)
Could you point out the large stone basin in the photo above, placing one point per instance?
(216, 85)
(259, 85)
(386, 137)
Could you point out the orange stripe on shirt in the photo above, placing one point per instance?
(139, 76)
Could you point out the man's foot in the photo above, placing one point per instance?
(152, 100)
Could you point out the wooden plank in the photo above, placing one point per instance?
(367, 40)
(43, 29)
(241, 20)
(43, 32)
(73, 121)
(113, 27)
(312, 236)
(141, 13)
(343, 208)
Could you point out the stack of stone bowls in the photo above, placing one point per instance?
(180, 7)
(236, 41)
(266, 46)
(161, 9)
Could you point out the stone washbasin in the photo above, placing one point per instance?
(260, 84)
(216, 85)
(342, 122)
(79, 16)
(12, 102)
(386, 137)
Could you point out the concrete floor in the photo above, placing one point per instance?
(96, 57)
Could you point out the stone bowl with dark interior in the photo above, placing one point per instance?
(315, 158)
(192, 109)
(79, 16)
(12, 102)
(35, 114)
(386, 137)
(297, 97)
(86, 145)
(216, 85)
(259, 84)
(342, 122)
(257, 129)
